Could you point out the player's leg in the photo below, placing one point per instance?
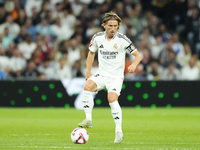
(114, 89)
(117, 116)
(88, 103)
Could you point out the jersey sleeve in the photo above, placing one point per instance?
(129, 45)
(93, 45)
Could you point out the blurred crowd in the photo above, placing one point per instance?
(48, 39)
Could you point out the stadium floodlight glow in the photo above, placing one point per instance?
(51, 86)
(67, 106)
(130, 97)
(145, 95)
(176, 95)
(35, 88)
(153, 84)
(160, 95)
(20, 91)
(59, 95)
(12, 102)
(44, 97)
(98, 102)
(28, 100)
(137, 106)
(137, 84)
(153, 106)
(123, 86)
(168, 106)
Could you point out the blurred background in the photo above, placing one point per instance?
(48, 39)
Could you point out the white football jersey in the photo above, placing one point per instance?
(111, 54)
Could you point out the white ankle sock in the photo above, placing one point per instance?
(117, 115)
(88, 104)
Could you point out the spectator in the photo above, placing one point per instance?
(140, 74)
(157, 47)
(61, 31)
(154, 70)
(67, 18)
(21, 18)
(171, 60)
(21, 36)
(64, 71)
(95, 66)
(3, 15)
(162, 31)
(163, 56)
(177, 46)
(38, 56)
(17, 62)
(32, 4)
(43, 27)
(73, 52)
(7, 39)
(27, 47)
(171, 72)
(77, 6)
(30, 29)
(76, 70)
(4, 60)
(30, 72)
(47, 69)
(12, 26)
(2, 75)
(184, 56)
(190, 72)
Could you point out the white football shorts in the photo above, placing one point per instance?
(111, 84)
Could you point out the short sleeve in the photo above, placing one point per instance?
(93, 46)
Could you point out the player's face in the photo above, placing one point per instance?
(111, 27)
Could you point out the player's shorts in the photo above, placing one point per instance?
(111, 84)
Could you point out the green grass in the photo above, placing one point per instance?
(144, 129)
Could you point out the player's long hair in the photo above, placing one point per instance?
(111, 16)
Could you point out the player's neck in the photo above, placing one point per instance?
(109, 37)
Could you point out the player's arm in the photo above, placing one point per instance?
(136, 61)
(90, 60)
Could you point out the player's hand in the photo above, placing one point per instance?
(88, 75)
(131, 68)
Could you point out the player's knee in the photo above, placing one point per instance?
(87, 87)
(90, 86)
(111, 99)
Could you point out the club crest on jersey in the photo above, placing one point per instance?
(132, 47)
(115, 46)
(90, 44)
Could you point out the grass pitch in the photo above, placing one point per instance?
(144, 129)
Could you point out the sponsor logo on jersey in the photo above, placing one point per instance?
(115, 46)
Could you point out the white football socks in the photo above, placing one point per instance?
(117, 115)
(88, 104)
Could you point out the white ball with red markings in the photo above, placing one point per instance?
(79, 136)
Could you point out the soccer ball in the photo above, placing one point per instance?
(79, 136)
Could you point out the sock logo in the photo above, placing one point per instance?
(86, 106)
(96, 75)
(114, 89)
(115, 113)
(116, 118)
